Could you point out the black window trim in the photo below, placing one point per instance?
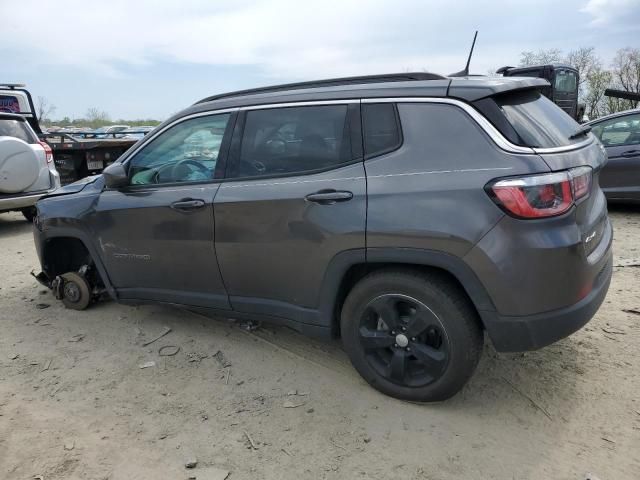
(398, 127)
(355, 127)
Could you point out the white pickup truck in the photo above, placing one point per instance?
(27, 171)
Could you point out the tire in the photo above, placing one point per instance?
(391, 356)
(76, 291)
(29, 213)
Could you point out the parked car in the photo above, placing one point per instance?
(27, 171)
(108, 131)
(406, 213)
(135, 132)
(620, 135)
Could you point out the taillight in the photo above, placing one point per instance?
(48, 153)
(540, 196)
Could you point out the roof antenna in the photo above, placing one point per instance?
(465, 72)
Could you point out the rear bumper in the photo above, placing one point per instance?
(516, 334)
(21, 201)
(25, 200)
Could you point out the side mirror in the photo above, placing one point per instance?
(115, 176)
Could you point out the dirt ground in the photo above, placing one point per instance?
(75, 404)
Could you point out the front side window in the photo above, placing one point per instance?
(619, 131)
(290, 140)
(187, 152)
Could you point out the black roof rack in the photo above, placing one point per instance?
(332, 82)
(12, 86)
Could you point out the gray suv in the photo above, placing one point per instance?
(407, 214)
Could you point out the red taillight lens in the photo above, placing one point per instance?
(541, 196)
(48, 153)
(581, 182)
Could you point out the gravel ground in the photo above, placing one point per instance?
(75, 404)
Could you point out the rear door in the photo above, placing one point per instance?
(620, 178)
(294, 197)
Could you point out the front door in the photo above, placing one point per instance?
(621, 137)
(156, 236)
(294, 197)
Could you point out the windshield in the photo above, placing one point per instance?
(566, 81)
(537, 121)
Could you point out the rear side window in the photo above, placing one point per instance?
(537, 120)
(291, 140)
(381, 128)
(529, 119)
(17, 129)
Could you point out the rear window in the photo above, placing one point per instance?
(536, 120)
(566, 81)
(9, 104)
(17, 129)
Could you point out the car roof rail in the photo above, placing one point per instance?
(331, 82)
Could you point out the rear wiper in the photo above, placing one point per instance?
(583, 130)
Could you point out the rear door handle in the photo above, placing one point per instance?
(630, 153)
(188, 204)
(329, 196)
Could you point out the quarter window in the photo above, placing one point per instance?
(290, 140)
(619, 131)
(381, 129)
(187, 152)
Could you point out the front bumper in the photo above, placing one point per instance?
(516, 334)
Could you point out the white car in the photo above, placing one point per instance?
(27, 171)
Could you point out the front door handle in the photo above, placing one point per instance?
(631, 153)
(329, 196)
(187, 204)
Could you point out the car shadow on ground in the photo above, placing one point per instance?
(11, 225)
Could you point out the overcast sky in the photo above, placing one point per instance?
(150, 58)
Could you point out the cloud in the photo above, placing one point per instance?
(284, 38)
(606, 13)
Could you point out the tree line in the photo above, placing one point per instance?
(93, 118)
(623, 73)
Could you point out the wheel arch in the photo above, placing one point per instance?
(348, 267)
(65, 250)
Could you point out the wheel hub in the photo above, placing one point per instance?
(71, 291)
(402, 340)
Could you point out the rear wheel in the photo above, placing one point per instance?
(411, 335)
(29, 213)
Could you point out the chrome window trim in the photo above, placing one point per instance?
(149, 138)
(487, 126)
